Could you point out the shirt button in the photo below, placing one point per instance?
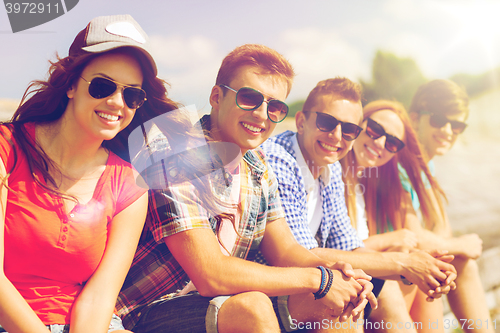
(63, 237)
(65, 229)
(71, 215)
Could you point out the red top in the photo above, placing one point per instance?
(50, 254)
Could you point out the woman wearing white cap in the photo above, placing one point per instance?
(71, 211)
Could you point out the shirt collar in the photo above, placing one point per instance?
(306, 173)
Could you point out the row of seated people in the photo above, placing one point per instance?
(239, 231)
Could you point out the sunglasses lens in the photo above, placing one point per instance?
(100, 87)
(249, 99)
(438, 120)
(325, 122)
(374, 130)
(276, 110)
(393, 144)
(134, 97)
(350, 131)
(458, 126)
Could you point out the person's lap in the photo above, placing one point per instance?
(188, 313)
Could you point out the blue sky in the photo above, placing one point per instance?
(321, 38)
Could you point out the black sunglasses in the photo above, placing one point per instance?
(249, 99)
(440, 120)
(374, 130)
(101, 87)
(327, 123)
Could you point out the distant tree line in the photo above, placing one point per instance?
(479, 83)
(397, 78)
(393, 78)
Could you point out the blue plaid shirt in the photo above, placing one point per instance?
(335, 230)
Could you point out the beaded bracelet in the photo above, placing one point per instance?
(324, 289)
(323, 281)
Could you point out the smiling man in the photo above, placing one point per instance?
(439, 111)
(194, 271)
(312, 191)
(306, 165)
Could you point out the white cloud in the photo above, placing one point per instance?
(405, 10)
(456, 36)
(176, 50)
(189, 64)
(318, 54)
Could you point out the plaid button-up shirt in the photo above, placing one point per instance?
(335, 230)
(155, 273)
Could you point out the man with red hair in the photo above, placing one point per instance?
(194, 272)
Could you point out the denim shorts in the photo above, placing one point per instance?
(116, 324)
(193, 313)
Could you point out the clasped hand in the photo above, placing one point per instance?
(350, 292)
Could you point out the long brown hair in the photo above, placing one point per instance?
(383, 192)
(46, 101)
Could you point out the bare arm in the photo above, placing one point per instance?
(467, 246)
(199, 254)
(403, 240)
(94, 306)
(15, 313)
(281, 249)
(421, 268)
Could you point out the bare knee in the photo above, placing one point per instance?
(465, 267)
(247, 312)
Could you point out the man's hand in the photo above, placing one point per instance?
(360, 281)
(344, 290)
(431, 272)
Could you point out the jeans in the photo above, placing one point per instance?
(116, 324)
(377, 287)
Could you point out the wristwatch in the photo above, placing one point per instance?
(405, 281)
